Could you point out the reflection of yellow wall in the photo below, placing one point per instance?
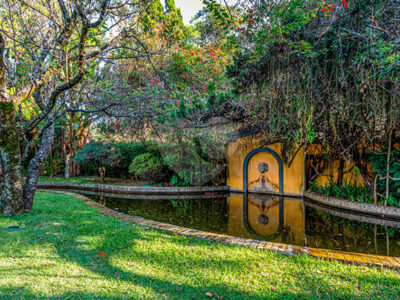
(293, 219)
(237, 151)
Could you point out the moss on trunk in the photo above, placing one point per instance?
(10, 151)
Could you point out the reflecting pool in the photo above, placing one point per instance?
(270, 218)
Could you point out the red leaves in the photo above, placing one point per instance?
(117, 123)
(101, 254)
(345, 3)
(328, 8)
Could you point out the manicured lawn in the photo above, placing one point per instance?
(56, 255)
(114, 181)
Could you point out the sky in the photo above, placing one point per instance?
(190, 8)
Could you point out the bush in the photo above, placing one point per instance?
(379, 161)
(148, 167)
(346, 191)
(98, 155)
(128, 153)
(194, 163)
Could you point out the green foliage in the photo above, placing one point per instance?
(195, 162)
(96, 154)
(168, 20)
(128, 153)
(148, 167)
(175, 181)
(346, 191)
(53, 165)
(379, 161)
(320, 71)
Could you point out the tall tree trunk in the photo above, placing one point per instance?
(34, 167)
(67, 173)
(10, 148)
(10, 151)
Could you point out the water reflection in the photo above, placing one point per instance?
(267, 218)
(270, 218)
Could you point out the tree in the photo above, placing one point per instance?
(99, 154)
(47, 49)
(323, 72)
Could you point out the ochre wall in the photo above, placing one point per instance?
(350, 177)
(293, 177)
(294, 223)
(331, 171)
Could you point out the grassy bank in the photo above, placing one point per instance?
(96, 180)
(67, 249)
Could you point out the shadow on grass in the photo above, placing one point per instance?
(78, 233)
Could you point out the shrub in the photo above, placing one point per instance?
(148, 167)
(347, 191)
(379, 161)
(128, 152)
(194, 163)
(98, 155)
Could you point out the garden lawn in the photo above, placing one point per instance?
(93, 180)
(67, 249)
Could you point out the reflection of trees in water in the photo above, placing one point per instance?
(327, 231)
(203, 214)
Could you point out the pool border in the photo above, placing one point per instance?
(384, 212)
(131, 190)
(345, 204)
(285, 249)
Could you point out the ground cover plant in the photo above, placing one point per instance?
(67, 249)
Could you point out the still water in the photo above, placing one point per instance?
(270, 218)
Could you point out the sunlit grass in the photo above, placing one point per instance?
(55, 255)
(94, 179)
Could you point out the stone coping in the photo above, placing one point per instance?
(261, 192)
(120, 189)
(385, 212)
(145, 196)
(364, 208)
(372, 219)
(285, 249)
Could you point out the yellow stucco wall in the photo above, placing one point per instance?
(294, 223)
(237, 151)
(331, 171)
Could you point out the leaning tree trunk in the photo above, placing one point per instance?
(34, 167)
(10, 151)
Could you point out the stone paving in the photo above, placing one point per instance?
(347, 257)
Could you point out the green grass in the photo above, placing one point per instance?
(55, 255)
(113, 181)
(73, 179)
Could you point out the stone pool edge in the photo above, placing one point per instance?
(135, 190)
(285, 249)
(354, 206)
(341, 203)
